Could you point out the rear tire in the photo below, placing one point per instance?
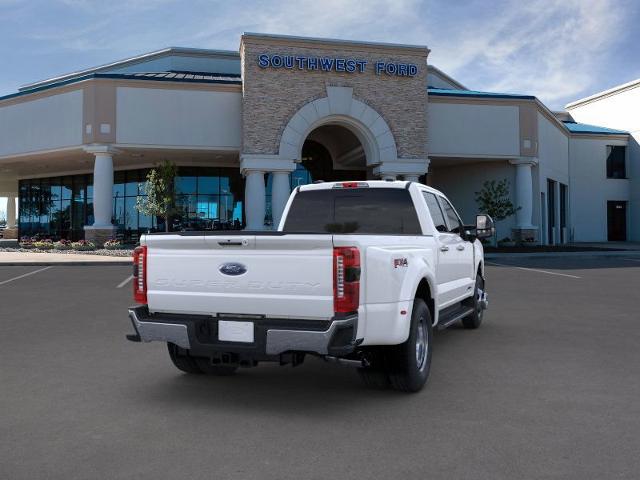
(409, 363)
(181, 359)
(475, 319)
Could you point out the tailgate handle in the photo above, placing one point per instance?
(229, 243)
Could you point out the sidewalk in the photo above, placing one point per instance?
(623, 249)
(593, 253)
(33, 258)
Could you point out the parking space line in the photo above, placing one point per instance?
(533, 270)
(125, 281)
(632, 259)
(25, 275)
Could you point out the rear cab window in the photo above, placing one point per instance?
(386, 211)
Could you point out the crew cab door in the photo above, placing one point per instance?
(455, 255)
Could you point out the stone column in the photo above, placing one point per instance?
(525, 230)
(253, 167)
(254, 199)
(280, 190)
(102, 228)
(11, 212)
(412, 178)
(11, 232)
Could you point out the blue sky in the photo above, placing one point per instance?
(558, 50)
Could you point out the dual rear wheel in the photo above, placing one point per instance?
(404, 367)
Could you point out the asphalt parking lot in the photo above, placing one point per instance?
(548, 387)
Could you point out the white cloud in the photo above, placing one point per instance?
(553, 49)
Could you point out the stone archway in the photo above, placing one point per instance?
(340, 108)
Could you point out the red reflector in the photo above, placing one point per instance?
(346, 279)
(140, 275)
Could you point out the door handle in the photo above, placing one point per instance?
(444, 248)
(460, 248)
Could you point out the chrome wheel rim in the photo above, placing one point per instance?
(422, 344)
(479, 294)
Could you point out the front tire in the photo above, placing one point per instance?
(475, 319)
(409, 362)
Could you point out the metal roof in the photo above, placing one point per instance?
(445, 92)
(575, 127)
(133, 60)
(186, 77)
(176, 75)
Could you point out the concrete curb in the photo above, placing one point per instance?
(616, 253)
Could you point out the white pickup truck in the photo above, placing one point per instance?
(357, 272)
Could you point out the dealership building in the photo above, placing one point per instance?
(246, 127)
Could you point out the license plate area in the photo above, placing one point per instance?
(236, 331)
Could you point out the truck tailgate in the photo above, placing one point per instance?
(271, 274)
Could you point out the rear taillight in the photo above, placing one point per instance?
(140, 275)
(346, 279)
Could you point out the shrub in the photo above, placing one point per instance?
(26, 242)
(83, 245)
(43, 244)
(62, 245)
(112, 244)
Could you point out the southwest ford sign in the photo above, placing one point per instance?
(334, 64)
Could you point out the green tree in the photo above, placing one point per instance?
(494, 200)
(160, 193)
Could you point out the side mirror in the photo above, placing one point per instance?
(485, 228)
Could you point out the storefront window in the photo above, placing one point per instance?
(60, 207)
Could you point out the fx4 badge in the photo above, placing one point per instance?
(400, 262)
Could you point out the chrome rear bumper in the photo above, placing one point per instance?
(272, 336)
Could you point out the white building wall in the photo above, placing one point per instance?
(189, 118)
(620, 110)
(460, 182)
(590, 189)
(43, 124)
(553, 158)
(463, 129)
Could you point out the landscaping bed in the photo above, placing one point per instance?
(122, 252)
(111, 248)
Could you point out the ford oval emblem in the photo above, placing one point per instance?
(232, 269)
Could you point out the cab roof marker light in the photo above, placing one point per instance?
(351, 185)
